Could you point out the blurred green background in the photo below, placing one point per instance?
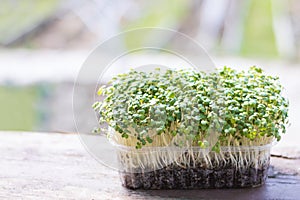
(18, 111)
(43, 43)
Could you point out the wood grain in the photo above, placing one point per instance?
(56, 166)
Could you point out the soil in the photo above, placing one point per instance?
(177, 177)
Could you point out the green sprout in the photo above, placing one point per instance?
(157, 108)
(252, 107)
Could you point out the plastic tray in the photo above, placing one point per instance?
(192, 168)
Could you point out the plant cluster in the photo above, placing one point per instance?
(185, 106)
(252, 105)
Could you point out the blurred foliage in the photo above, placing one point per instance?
(169, 14)
(258, 38)
(18, 105)
(18, 108)
(18, 16)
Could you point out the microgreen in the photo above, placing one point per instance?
(252, 105)
(240, 106)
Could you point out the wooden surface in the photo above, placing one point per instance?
(56, 166)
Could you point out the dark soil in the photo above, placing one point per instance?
(176, 177)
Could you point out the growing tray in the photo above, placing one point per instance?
(193, 168)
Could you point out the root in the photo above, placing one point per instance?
(240, 153)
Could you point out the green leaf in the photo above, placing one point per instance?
(100, 90)
(149, 140)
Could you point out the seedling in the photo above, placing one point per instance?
(245, 111)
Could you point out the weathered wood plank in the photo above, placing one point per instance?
(56, 166)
